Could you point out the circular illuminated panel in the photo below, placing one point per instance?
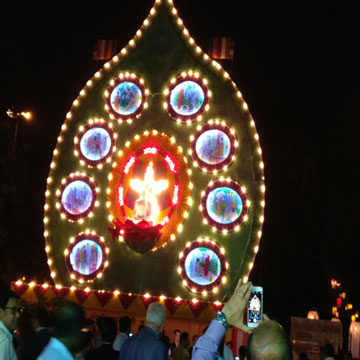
(77, 197)
(86, 256)
(202, 266)
(95, 142)
(187, 98)
(213, 146)
(125, 98)
(224, 205)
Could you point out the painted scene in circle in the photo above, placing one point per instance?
(86, 257)
(187, 98)
(95, 144)
(202, 266)
(77, 197)
(126, 98)
(213, 146)
(224, 205)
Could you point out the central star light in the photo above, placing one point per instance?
(148, 192)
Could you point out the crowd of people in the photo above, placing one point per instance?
(66, 334)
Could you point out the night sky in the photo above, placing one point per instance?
(298, 69)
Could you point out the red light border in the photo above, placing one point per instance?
(209, 244)
(68, 180)
(78, 238)
(236, 187)
(120, 79)
(77, 139)
(225, 163)
(179, 79)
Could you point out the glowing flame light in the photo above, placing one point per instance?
(146, 207)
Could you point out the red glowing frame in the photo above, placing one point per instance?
(221, 126)
(193, 286)
(71, 178)
(151, 149)
(239, 190)
(97, 123)
(186, 118)
(104, 263)
(113, 84)
(177, 200)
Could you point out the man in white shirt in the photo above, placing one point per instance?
(69, 320)
(125, 328)
(9, 313)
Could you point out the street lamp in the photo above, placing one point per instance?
(27, 115)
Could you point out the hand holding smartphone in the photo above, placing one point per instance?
(255, 307)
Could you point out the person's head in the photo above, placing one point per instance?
(303, 356)
(125, 325)
(242, 352)
(177, 334)
(195, 339)
(327, 351)
(184, 340)
(9, 309)
(108, 329)
(229, 344)
(269, 341)
(155, 317)
(347, 355)
(42, 317)
(69, 320)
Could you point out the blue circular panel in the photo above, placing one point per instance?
(224, 205)
(77, 197)
(95, 144)
(86, 257)
(213, 146)
(202, 266)
(126, 98)
(187, 98)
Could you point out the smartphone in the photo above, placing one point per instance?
(255, 307)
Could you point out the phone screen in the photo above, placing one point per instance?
(255, 306)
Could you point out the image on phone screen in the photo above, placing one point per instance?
(255, 307)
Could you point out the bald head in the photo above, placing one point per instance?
(155, 316)
(269, 342)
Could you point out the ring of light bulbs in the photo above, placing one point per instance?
(96, 123)
(190, 284)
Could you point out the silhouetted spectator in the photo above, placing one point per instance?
(125, 328)
(194, 340)
(68, 337)
(9, 314)
(32, 347)
(242, 352)
(176, 341)
(181, 351)
(146, 344)
(108, 331)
